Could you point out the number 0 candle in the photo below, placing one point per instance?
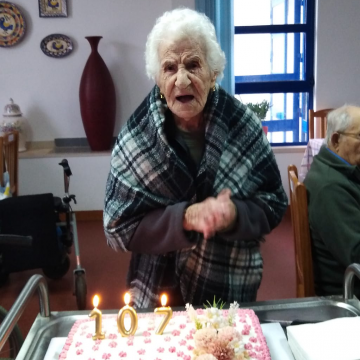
(163, 310)
(127, 310)
(97, 314)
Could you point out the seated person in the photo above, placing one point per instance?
(194, 184)
(333, 185)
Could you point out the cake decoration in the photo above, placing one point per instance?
(127, 310)
(216, 336)
(163, 310)
(202, 334)
(96, 313)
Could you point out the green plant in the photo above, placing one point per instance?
(216, 304)
(260, 109)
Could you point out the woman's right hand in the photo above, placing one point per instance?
(211, 215)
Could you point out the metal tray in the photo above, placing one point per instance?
(286, 312)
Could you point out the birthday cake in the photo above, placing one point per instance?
(204, 334)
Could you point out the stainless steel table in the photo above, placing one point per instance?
(48, 325)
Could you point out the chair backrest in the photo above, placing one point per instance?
(302, 240)
(322, 115)
(11, 159)
(2, 162)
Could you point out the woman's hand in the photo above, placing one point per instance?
(211, 215)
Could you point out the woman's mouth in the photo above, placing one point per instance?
(185, 98)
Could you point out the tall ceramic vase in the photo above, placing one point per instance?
(97, 100)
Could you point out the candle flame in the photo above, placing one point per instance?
(95, 301)
(163, 300)
(127, 298)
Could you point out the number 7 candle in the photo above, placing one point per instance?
(163, 310)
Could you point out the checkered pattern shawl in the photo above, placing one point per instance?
(147, 174)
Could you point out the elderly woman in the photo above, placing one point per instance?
(193, 185)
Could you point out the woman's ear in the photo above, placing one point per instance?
(213, 79)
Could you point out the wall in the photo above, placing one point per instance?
(337, 78)
(47, 89)
(88, 180)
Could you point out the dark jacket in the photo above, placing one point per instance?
(333, 188)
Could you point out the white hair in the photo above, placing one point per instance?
(338, 120)
(180, 24)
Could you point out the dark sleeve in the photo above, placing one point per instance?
(161, 231)
(251, 223)
(334, 215)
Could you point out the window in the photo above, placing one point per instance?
(272, 60)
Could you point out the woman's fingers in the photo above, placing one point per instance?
(224, 194)
(211, 215)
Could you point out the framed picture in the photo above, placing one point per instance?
(52, 8)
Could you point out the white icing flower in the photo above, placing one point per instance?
(232, 312)
(191, 312)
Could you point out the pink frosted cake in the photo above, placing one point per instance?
(208, 334)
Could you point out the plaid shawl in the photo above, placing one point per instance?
(147, 174)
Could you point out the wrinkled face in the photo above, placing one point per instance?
(348, 146)
(184, 79)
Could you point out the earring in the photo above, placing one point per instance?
(161, 96)
(214, 88)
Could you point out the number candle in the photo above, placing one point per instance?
(163, 310)
(97, 314)
(121, 318)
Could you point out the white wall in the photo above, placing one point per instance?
(88, 180)
(47, 89)
(337, 79)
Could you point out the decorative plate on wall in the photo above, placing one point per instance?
(12, 24)
(56, 45)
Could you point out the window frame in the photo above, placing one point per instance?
(221, 13)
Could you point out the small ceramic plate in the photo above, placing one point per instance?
(12, 24)
(56, 45)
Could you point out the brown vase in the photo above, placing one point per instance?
(97, 100)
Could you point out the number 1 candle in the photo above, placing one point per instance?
(97, 314)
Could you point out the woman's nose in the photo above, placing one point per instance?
(182, 79)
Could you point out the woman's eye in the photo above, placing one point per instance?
(169, 68)
(193, 65)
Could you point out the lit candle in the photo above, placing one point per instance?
(163, 310)
(121, 318)
(97, 314)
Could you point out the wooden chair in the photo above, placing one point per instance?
(11, 159)
(322, 115)
(2, 162)
(302, 241)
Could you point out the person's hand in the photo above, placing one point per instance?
(211, 215)
(227, 209)
(202, 217)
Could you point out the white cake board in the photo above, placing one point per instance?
(274, 335)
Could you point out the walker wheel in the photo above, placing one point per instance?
(58, 271)
(80, 291)
(14, 342)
